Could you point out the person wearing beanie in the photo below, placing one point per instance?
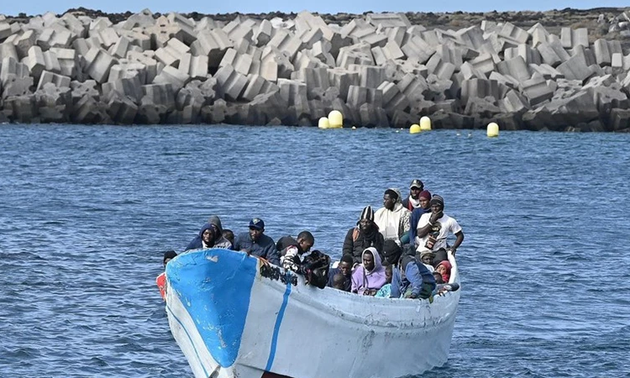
(434, 228)
(256, 243)
(413, 201)
(364, 235)
(392, 219)
(424, 199)
(345, 270)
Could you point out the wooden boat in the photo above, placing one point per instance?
(233, 315)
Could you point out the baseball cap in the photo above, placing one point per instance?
(257, 223)
(416, 184)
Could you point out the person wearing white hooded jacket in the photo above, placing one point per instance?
(393, 218)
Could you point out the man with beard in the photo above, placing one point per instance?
(413, 201)
(256, 243)
(434, 228)
(363, 236)
(392, 219)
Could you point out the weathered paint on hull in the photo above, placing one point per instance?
(231, 321)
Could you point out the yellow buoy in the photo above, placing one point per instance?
(425, 123)
(323, 123)
(335, 119)
(493, 130)
(415, 129)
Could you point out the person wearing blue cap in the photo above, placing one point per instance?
(256, 243)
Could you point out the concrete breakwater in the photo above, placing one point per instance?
(378, 70)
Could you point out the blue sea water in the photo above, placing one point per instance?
(86, 212)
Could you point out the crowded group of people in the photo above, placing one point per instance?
(397, 251)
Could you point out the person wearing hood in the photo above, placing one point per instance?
(413, 201)
(424, 199)
(369, 277)
(444, 268)
(411, 279)
(392, 219)
(210, 236)
(216, 221)
(364, 235)
(435, 227)
(256, 243)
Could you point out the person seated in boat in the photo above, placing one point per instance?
(425, 207)
(229, 235)
(386, 290)
(435, 227)
(209, 237)
(413, 201)
(438, 278)
(391, 252)
(444, 268)
(364, 235)
(291, 250)
(255, 242)
(426, 257)
(392, 219)
(161, 279)
(338, 281)
(345, 269)
(411, 279)
(315, 268)
(368, 277)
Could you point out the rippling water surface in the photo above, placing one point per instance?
(85, 213)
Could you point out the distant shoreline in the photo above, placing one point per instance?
(560, 70)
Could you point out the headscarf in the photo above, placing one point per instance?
(446, 275)
(363, 279)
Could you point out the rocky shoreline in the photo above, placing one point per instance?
(561, 70)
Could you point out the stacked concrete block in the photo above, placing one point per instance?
(415, 88)
(242, 63)
(342, 79)
(212, 44)
(576, 68)
(8, 50)
(417, 48)
(240, 30)
(231, 83)
(571, 38)
(315, 79)
(370, 76)
(147, 60)
(479, 88)
(99, 62)
(393, 99)
(141, 19)
(438, 67)
(24, 42)
(546, 71)
(263, 34)
(537, 90)
(286, 42)
(122, 110)
(388, 20)
(161, 32)
(322, 51)
(186, 26)
(120, 48)
(516, 68)
(531, 56)
(127, 86)
(172, 52)
(57, 80)
(602, 53)
(509, 31)
(136, 38)
(514, 102)
(35, 61)
(54, 103)
(194, 66)
(171, 75)
(359, 54)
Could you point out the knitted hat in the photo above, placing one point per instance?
(367, 213)
(437, 200)
(425, 194)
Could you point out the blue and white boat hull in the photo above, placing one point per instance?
(232, 316)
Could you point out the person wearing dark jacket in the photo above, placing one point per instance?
(411, 279)
(425, 207)
(291, 250)
(345, 269)
(214, 220)
(364, 235)
(256, 243)
(209, 237)
(412, 202)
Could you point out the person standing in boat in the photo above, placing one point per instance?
(364, 235)
(210, 236)
(369, 277)
(392, 219)
(413, 201)
(435, 227)
(424, 198)
(256, 243)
